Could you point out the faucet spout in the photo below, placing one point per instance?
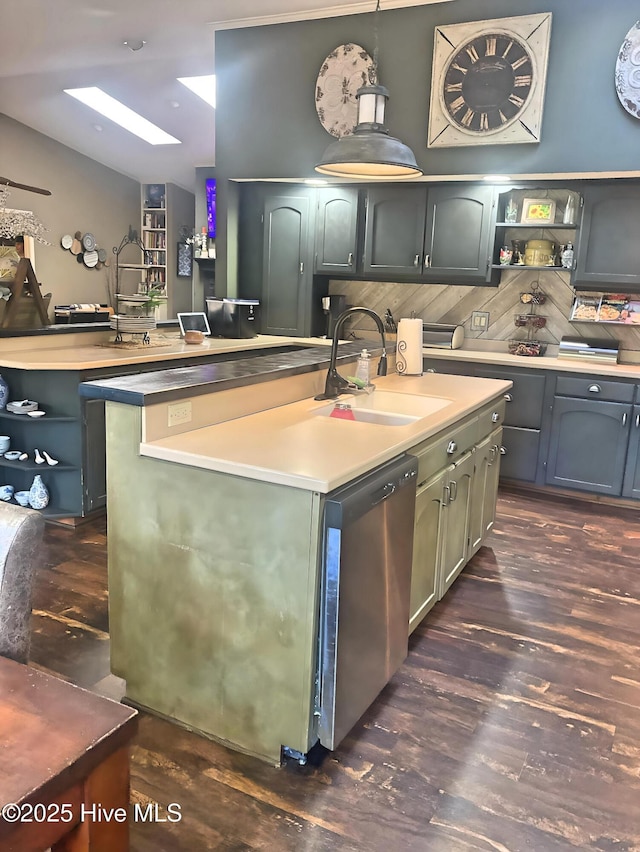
(336, 384)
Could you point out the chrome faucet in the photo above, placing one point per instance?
(336, 384)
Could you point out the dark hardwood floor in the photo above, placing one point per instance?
(513, 725)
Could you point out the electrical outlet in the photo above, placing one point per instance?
(179, 412)
(479, 320)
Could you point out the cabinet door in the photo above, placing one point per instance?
(459, 233)
(336, 230)
(608, 248)
(588, 445)
(631, 487)
(519, 451)
(485, 490)
(394, 231)
(455, 542)
(95, 463)
(427, 539)
(286, 282)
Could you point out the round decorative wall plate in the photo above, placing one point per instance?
(343, 72)
(628, 71)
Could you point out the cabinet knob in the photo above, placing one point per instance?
(445, 495)
(427, 260)
(350, 259)
(430, 370)
(637, 421)
(453, 490)
(624, 419)
(416, 260)
(503, 451)
(451, 448)
(495, 417)
(301, 268)
(595, 389)
(508, 397)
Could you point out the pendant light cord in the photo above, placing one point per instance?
(374, 70)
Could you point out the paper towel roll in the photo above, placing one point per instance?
(409, 347)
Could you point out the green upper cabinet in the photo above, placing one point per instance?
(394, 231)
(609, 245)
(459, 233)
(336, 230)
(440, 234)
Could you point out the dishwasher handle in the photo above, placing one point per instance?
(385, 492)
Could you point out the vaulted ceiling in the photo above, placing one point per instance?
(50, 46)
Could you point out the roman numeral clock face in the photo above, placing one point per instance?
(488, 81)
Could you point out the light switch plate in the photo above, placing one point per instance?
(479, 320)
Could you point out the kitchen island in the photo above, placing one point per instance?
(216, 492)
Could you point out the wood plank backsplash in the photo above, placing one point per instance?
(453, 304)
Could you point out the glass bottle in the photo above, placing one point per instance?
(517, 258)
(567, 256)
(570, 211)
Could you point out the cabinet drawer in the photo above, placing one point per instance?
(435, 454)
(519, 453)
(524, 400)
(490, 417)
(595, 389)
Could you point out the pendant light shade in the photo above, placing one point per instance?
(370, 152)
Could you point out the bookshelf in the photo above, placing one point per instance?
(166, 210)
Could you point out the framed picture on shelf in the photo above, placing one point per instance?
(185, 261)
(538, 211)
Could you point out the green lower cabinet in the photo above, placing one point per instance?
(457, 504)
(485, 486)
(426, 548)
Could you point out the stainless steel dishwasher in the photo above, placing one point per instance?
(366, 581)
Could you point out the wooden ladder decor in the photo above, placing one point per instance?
(25, 281)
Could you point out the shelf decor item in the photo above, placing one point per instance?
(38, 493)
(488, 81)
(538, 211)
(4, 393)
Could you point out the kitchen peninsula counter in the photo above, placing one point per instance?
(91, 351)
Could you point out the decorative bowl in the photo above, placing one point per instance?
(37, 413)
(22, 497)
(13, 455)
(192, 335)
(6, 492)
(24, 406)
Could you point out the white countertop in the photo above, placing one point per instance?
(484, 356)
(291, 446)
(88, 352)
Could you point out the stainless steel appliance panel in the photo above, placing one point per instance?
(368, 544)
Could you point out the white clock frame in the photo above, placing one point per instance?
(534, 33)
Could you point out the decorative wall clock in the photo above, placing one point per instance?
(488, 81)
(342, 73)
(628, 71)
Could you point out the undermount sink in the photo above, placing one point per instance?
(386, 408)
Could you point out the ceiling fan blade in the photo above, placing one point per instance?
(6, 182)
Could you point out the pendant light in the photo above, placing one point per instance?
(370, 152)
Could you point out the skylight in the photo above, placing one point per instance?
(119, 113)
(204, 87)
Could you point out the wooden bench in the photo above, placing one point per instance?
(64, 765)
